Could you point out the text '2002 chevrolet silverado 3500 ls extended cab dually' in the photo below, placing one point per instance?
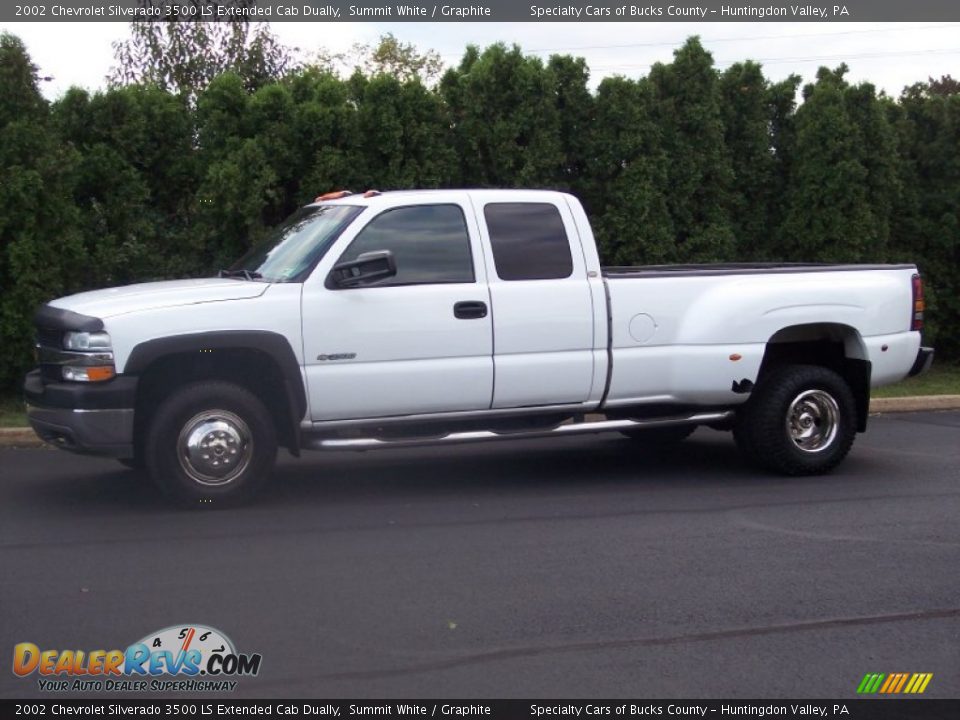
(409, 318)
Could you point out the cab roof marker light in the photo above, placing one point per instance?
(335, 195)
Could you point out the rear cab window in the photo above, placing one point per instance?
(528, 241)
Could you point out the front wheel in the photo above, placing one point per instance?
(800, 420)
(211, 443)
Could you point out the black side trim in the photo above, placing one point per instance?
(857, 374)
(655, 271)
(53, 317)
(116, 394)
(742, 387)
(923, 361)
(609, 304)
(273, 344)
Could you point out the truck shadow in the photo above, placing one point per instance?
(517, 469)
(521, 468)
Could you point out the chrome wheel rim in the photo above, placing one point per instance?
(813, 420)
(214, 447)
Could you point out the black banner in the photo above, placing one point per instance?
(876, 709)
(481, 11)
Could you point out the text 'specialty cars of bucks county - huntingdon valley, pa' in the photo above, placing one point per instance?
(450, 316)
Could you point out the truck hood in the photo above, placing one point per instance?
(155, 295)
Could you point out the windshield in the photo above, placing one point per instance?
(290, 252)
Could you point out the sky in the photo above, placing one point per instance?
(889, 55)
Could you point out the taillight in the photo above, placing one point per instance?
(916, 321)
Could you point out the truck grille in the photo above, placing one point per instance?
(50, 337)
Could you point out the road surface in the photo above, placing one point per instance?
(580, 567)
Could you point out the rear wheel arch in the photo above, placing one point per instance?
(835, 346)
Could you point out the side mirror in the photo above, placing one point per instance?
(367, 268)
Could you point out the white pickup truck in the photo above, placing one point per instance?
(407, 318)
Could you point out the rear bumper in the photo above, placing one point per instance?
(923, 361)
(94, 418)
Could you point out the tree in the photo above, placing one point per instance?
(686, 97)
(573, 102)
(325, 125)
(627, 185)
(39, 246)
(390, 56)
(403, 134)
(756, 118)
(842, 181)
(926, 216)
(135, 175)
(945, 86)
(182, 170)
(18, 82)
(185, 56)
(505, 119)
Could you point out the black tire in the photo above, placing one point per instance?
(211, 444)
(134, 463)
(660, 436)
(800, 420)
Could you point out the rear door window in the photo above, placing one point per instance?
(528, 241)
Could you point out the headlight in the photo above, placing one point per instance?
(86, 341)
(86, 357)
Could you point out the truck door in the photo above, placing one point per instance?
(543, 315)
(419, 342)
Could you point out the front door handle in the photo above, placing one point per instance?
(470, 310)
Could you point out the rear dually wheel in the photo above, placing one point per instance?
(800, 420)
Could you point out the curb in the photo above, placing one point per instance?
(25, 437)
(19, 437)
(914, 404)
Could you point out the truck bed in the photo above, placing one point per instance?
(689, 333)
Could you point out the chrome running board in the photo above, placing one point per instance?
(582, 428)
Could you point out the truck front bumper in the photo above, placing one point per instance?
(923, 361)
(94, 419)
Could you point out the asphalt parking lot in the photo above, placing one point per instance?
(581, 567)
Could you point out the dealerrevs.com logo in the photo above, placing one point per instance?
(180, 658)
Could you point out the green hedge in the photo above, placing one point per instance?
(686, 164)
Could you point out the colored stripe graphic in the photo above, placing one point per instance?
(898, 680)
(894, 683)
(903, 680)
(870, 683)
(891, 683)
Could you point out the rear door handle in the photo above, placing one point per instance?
(470, 310)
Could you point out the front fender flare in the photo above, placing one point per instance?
(275, 345)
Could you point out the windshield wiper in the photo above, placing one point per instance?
(245, 274)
